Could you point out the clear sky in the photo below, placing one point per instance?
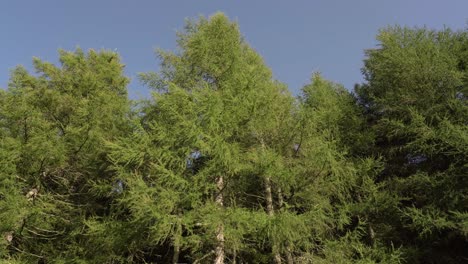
(294, 37)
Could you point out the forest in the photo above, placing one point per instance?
(222, 164)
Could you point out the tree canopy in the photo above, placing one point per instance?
(223, 165)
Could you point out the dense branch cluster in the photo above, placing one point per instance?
(224, 165)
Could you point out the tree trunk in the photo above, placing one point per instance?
(175, 257)
(280, 198)
(289, 257)
(270, 212)
(176, 241)
(371, 233)
(234, 257)
(219, 252)
(268, 197)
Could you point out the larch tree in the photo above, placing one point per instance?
(54, 125)
(183, 169)
(328, 171)
(415, 96)
(191, 168)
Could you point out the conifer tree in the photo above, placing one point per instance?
(53, 128)
(333, 177)
(193, 141)
(415, 95)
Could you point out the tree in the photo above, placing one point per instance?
(415, 95)
(189, 148)
(335, 177)
(53, 127)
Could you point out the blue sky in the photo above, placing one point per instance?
(295, 38)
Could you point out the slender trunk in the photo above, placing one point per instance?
(219, 252)
(289, 257)
(371, 233)
(234, 257)
(270, 212)
(268, 197)
(176, 241)
(280, 198)
(175, 257)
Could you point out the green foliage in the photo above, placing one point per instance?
(53, 128)
(222, 162)
(415, 95)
